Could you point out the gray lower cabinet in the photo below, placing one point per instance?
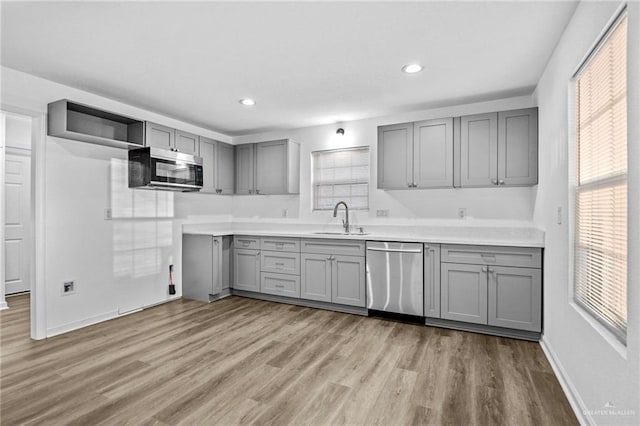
(333, 271)
(463, 293)
(515, 298)
(347, 278)
(280, 284)
(202, 266)
(315, 277)
(246, 269)
(432, 280)
(492, 285)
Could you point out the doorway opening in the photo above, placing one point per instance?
(16, 198)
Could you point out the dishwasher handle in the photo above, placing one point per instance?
(394, 250)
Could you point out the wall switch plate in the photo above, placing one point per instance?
(462, 213)
(382, 213)
(108, 214)
(559, 215)
(68, 287)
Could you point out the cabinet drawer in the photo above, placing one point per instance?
(279, 284)
(322, 246)
(243, 242)
(280, 244)
(523, 257)
(280, 262)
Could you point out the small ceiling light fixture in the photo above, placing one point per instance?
(247, 102)
(412, 68)
(340, 132)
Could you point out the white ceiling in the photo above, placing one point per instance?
(305, 63)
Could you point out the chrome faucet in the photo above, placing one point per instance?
(345, 222)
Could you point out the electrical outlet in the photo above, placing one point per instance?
(382, 213)
(462, 213)
(108, 214)
(285, 212)
(68, 287)
(559, 215)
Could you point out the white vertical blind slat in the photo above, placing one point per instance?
(341, 175)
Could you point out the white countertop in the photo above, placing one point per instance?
(476, 235)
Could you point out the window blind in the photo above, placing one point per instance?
(341, 175)
(600, 251)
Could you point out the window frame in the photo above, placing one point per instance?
(313, 180)
(616, 340)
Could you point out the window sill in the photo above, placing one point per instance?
(609, 337)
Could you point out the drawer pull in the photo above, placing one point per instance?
(279, 286)
(279, 265)
(279, 245)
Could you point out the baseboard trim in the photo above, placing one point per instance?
(302, 302)
(577, 404)
(65, 328)
(483, 329)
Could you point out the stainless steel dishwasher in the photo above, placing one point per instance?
(395, 277)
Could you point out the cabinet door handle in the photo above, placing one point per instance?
(329, 258)
(216, 242)
(257, 191)
(492, 270)
(484, 269)
(257, 254)
(494, 181)
(410, 185)
(500, 182)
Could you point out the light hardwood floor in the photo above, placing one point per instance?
(242, 361)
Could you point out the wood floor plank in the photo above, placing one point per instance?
(244, 361)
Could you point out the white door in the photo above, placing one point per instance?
(17, 232)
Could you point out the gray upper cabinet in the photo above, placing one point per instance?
(159, 136)
(348, 280)
(515, 298)
(518, 147)
(395, 156)
(433, 153)
(226, 169)
(217, 166)
(209, 154)
(432, 280)
(464, 293)
(187, 143)
(315, 277)
(277, 167)
(479, 150)
(245, 183)
(416, 155)
(499, 149)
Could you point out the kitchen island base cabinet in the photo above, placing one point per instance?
(347, 276)
(315, 283)
(246, 269)
(464, 293)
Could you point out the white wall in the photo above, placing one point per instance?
(118, 264)
(490, 204)
(594, 367)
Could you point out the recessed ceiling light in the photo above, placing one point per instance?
(412, 68)
(247, 102)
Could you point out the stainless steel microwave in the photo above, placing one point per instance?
(155, 168)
